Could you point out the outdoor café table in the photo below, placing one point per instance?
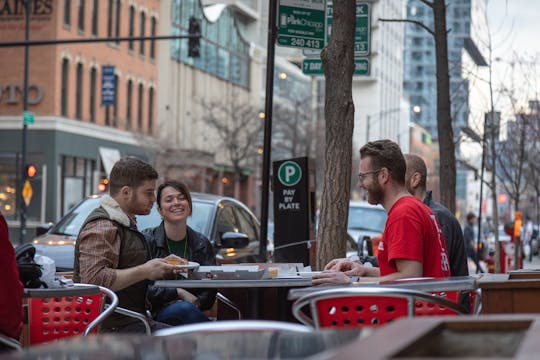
(457, 283)
(259, 301)
(238, 344)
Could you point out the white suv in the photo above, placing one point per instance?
(365, 220)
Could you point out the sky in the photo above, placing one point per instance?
(515, 29)
(516, 25)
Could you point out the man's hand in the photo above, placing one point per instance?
(187, 296)
(330, 277)
(343, 265)
(156, 269)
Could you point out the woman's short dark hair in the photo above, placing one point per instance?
(180, 186)
(130, 171)
(387, 154)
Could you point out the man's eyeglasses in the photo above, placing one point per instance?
(362, 176)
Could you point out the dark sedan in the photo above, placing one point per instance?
(225, 221)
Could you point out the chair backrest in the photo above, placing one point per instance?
(359, 306)
(64, 312)
(233, 325)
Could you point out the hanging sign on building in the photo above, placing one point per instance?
(108, 85)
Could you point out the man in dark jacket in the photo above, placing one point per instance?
(415, 181)
(111, 252)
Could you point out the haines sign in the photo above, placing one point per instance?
(13, 10)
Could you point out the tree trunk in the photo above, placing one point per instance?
(447, 170)
(338, 62)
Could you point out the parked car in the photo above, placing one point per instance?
(365, 221)
(225, 221)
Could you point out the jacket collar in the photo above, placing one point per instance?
(114, 210)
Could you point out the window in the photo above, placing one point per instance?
(78, 92)
(64, 90)
(110, 18)
(67, 12)
(80, 18)
(116, 96)
(150, 110)
(139, 108)
(128, 108)
(95, 18)
(153, 42)
(93, 75)
(143, 21)
(118, 13)
(131, 26)
(76, 183)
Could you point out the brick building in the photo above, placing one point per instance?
(75, 139)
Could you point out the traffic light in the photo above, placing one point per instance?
(194, 42)
(103, 186)
(31, 171)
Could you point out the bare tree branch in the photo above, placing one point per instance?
(416, 22)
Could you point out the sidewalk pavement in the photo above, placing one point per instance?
(534, 264)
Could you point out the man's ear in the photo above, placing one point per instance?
(415, 180)
(125, 191)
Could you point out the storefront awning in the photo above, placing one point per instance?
(108, 158)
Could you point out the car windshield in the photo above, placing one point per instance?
(365, 218)
(72, 222)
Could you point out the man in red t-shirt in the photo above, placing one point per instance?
(412, 244)
(11, 289)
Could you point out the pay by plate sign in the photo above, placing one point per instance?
(301, 23)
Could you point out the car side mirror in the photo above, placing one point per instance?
(236, 240)
(43, 228)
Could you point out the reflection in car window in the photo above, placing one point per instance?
(363, 218)
(246, 225)
(200, 217)
(71, 224)
(225, 221)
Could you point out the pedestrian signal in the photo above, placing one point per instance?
(31, 171)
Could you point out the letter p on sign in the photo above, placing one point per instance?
(289, 173)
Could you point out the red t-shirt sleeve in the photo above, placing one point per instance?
(404, 239)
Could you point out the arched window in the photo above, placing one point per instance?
(131, 26)
(92, 110)
(143, 24)
(129, 96)
(78, 91)
(150, 110)
(153, 29)
(140, 108)
(64, 90)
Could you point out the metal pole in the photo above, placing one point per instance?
(267, 147)
(479, 235)
(22, 207)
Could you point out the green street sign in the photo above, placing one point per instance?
(312, 67)
(315, 67)
(362, 32)
(28, 117)
(289, 173)
(301, 23)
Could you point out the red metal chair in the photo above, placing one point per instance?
(64, 312)
(369, 306)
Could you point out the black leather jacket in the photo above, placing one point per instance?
(202, 252)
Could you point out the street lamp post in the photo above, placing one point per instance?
(378, 114)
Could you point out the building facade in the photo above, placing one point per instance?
(75, 139)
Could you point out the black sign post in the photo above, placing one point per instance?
(294, 211)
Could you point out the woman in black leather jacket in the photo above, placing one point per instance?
(173, 236)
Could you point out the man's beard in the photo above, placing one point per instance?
(375, 195)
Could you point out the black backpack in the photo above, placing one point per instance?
(29, 270)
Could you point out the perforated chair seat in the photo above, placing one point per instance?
(369, 306)
(64, 312)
